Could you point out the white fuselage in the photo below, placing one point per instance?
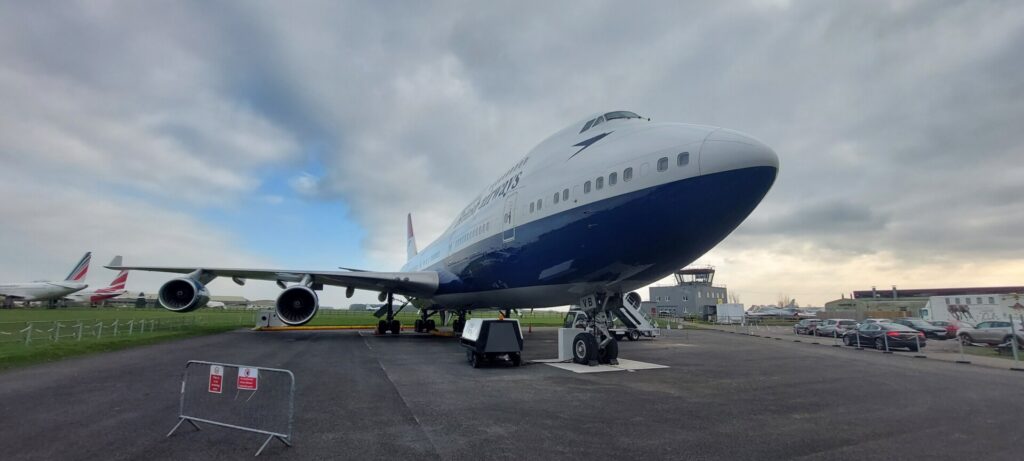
(40, 291)
(515, 246)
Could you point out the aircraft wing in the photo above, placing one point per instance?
(404, 283)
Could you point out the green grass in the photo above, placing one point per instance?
(169, 326)
(18, 354)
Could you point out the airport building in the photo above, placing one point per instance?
(693, 295)
(896, 303)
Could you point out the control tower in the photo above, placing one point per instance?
(693, 295)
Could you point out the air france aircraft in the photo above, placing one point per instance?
(48, 291)
(605, 206)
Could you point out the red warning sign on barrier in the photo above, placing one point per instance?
(247, 378)
(216, 378)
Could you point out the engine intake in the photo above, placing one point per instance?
(183, 295)
(297, 305)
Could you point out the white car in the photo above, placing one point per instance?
(993, 332)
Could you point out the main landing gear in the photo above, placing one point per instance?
(460, 323)
(424, 324)
(596, 344)
(390, 324)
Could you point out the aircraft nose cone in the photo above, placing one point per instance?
(725, 150)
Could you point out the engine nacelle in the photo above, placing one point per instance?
(183, 295)
(297, 305)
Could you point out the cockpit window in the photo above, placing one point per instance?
(620, 114)
(609, 116)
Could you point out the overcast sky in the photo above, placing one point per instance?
(298, 134)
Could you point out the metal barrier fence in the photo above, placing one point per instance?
(247, 398)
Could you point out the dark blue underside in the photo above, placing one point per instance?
(636, 238)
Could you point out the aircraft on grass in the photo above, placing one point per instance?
(115, 289)
(48, 291)
(605, 206)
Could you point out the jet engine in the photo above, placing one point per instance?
(183, 295)
(297, 305)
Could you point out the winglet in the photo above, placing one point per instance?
(116, 262)
(78, 273)
(410, 243)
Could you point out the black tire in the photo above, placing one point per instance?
(475, 360)
(584, 348)
(610, 353)
(417, 326)
(458, 326)
(382, 326)
(634, 335)
(396, 327)
(966, 339)
(1007, 340)
(848, 340)
(879, 344)
(429, 325)
(516, 359)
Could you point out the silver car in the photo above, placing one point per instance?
(993, 332)
(834, 327)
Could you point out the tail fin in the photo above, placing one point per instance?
(410, 243)
(78, 273)
(119, 282)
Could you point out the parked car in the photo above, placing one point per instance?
(867, 321)
(993, 332)
(806, 326)
(929, 330)
(951, 327)
(835, 327)
(880, 334)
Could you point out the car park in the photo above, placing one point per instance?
(885, 335)
(834, 327)
(926, 327)
(992, 332)
(805, 326)
(951, 327)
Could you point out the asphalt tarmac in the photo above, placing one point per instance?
(724, 396)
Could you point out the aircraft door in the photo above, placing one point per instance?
(508, 219)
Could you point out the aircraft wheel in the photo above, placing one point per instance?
(610, 353)
(382, 326)
(396, 326)
(584, 348)
(475, 360)
(417, 326)
(429, 325)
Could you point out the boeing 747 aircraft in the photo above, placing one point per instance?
(48, 291)
(605, 206)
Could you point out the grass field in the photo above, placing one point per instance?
(55, 334)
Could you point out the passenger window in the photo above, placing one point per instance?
(627, 174)
(599, 182)
(683, 159)
(613, 178)
(663, 164)
(532, 206)
(556, 197)
(586, 187)
(565, 194)
(540, 204)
